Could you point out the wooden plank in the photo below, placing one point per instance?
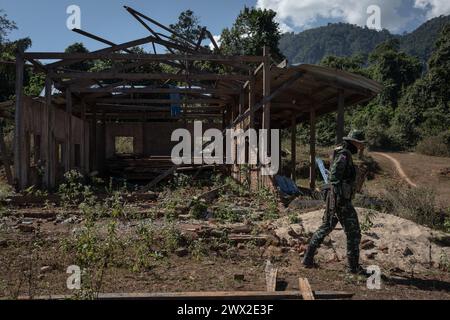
(141, 56)
(147, 76)
(19, 138)
(118, 47)
(271, 277)
(162, 101)
(235, 295)
(312, 149)
(50, 152)
(288, 83)
(68, 128)
(5, 156)
(117, 89)
(293, 146)
(340, 117)
(305, 289)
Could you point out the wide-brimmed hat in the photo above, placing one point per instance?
(357, 137)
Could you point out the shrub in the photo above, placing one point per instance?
(435, 146)
(415, 204)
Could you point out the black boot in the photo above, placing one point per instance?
(355, 268)
(308, 260)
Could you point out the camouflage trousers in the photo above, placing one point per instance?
(347, 216)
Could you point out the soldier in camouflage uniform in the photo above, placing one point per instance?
(339, 204)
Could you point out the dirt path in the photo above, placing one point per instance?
(398, 168)
(416, 170)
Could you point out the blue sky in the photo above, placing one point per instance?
(44, 21)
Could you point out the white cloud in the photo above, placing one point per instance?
(301, 14)
(433, 8)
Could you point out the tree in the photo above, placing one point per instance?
(6, 26)
(394, 69)
(8, 51)
(252, 30)
(79, 47)
(424, 109)
(187, 26)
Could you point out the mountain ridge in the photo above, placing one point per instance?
(343, 39)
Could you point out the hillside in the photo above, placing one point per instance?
(342, 39)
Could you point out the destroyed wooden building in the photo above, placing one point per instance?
(141, 98)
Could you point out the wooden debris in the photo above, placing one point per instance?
(271, 277)
(305, 289)
(235, 295)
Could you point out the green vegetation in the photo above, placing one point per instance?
(345, 40)
(412, 110)
(252, 30)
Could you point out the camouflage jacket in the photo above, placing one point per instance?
(343, 173)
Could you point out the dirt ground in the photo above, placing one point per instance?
(424, 171)
(156, 245)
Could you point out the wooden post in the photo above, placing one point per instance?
(266, 106)
(19, 134)
(251, 102)
(93, 142)
(293, 146)
(312, 148)
(5, 156)
(84, 162)
(340, 118)
(49, 147)
(69, 140)
(251, 123)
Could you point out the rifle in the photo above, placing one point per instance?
(330, 198)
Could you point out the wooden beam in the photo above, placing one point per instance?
(49, 151)
(271, 277)
(340, 117)
(147, 76)
(186, 101)
(5, 156)
(118, 47)
(293, 146)
(267, 103)
(19, 139)
(68, 128)
(93, 142)
(131, 10)
(287, 84)
(141, 56)
(236, 295)
(305, 289)
(84, 149)
(312, 148)
(155, 90)
(251, 102)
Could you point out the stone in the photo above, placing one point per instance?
(367, 244)
(70, 220)
(384, 248)
(46, 269)
(273, 251)
(371, 255)
(26, 228)
(181, 252)
(3, 243)
(239, 277)
(407, 252)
